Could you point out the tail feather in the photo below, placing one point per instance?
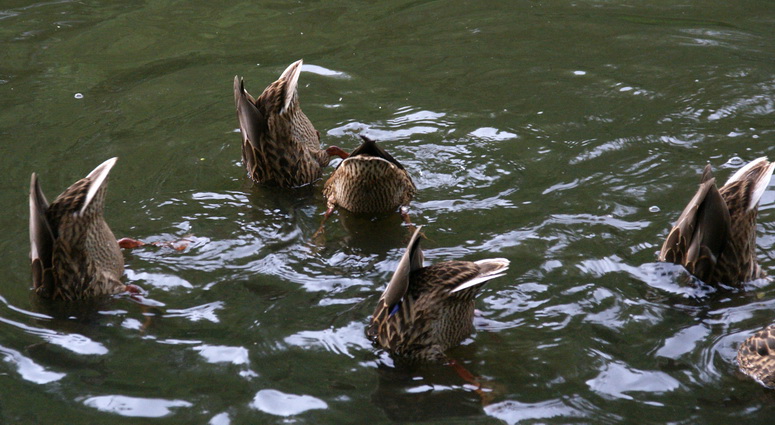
(97, 177)
(488, 270)
(759, 173)
(492, 265)
(291, 76)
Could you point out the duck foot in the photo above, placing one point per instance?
(133, 289)
(317, 237)
(135, 292)
(178, 245)
(149, 308)
(129, 243)
(485, 392)
(408, 221)
(405, 215)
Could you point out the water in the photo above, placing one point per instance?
(566, 137)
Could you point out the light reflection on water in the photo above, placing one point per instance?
(548, 133)
(28, 369)
(135, 407)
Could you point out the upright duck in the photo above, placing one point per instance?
(279, 143)
(715, 236)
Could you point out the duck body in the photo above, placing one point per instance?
(715, 236)
(424, 311)
(756, 357)
(280, 146)
(74, 253)
(369, 181)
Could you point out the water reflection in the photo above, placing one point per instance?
(616, 379)
(135, 407)
(77, 343)
(197, 313)
(407, 393)
(513, 412)
(281, 404)
(28, 369)
(562, 143)
(336, 341)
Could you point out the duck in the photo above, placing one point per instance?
(714, 238)
(369, 181)
(424, 311)
(280, 146)
(73, 252)
(756, 356)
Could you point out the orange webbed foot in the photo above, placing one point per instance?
(485, 391)
(177, 245)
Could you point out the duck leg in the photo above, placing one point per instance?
(405, 215)
(408, 221)
(133, 289)
(322, 229)
(178, 245)
(129, 243)
(149, 308)
(486, 394)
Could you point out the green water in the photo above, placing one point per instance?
(564, 136)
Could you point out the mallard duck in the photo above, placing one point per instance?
(74, 254)
(715, 236)
(426, 310)
(756, 356)
(369, 181)
(279, 143)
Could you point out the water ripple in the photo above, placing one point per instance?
(513, 412)
(76, 343)
(334, 340)
(28, 369)
(281, 404)
(197, 313)
(319, 70)
(617, 378)
(135, 407)
(223, 354)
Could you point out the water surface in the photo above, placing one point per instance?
(566, 137)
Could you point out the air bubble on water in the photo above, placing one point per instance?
(654, 209)
(735, 162)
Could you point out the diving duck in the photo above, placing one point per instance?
(715, 236)
(369, 181)
(279, 143)
(756, 357)
(426, 310)
(74, 254)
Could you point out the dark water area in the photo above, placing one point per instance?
(564, 136)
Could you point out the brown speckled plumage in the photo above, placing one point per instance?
(756, 356)
(715, 236)
(369, 181)
(73, 251)
(279, 143)
(432, 307)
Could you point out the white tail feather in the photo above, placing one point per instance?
(495, 267)
(291, 75)
(744, 169)
(476, 281)
(761, 186)
(98, 175)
